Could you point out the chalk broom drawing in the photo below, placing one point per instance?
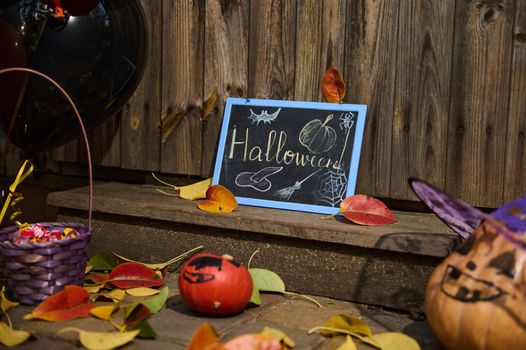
(332, 187)
(317, 136)
(264, 117)
(347, 123)
(287, 192)
(257, 180)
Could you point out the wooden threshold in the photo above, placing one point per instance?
(415, 233)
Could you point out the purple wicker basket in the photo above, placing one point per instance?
(37, 270)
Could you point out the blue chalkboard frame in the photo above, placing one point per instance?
(355, 157)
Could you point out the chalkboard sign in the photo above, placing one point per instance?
(290, 155)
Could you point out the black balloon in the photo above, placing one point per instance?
(97, 57)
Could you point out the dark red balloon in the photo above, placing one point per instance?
(97, 57)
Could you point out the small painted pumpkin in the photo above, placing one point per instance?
(476, 299)
(215, 285)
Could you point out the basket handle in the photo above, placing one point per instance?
(84, 134)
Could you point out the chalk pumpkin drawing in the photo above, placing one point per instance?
(263, 116)
(257, 180)
(476, 298)
(317, 136)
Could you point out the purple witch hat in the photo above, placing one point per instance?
(464, 219)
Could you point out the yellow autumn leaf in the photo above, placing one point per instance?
(193, 191)
(350, 325)
(103, 312)
(102, 340)
(93, 289)
(116, 294)
(348, 345)
(395, 341)
(10, 337)
(280, 336)
(7, 304)
(88, 269)
(142, 291)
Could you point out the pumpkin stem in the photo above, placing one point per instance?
(227, 257)
(251, 257)
(328, 119)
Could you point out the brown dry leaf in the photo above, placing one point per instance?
(210, 103)
(170, 121)
(333, 86)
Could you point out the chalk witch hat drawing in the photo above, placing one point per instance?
(257, 179)
(476, 298)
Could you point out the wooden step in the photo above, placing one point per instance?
(386, 265)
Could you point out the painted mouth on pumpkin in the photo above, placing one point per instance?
(192, 277)
(466, 288)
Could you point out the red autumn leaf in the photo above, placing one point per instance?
(68, 304)
(132, 274)
(365, 210)
(218, 199)
(333, 86)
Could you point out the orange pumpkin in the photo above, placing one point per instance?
(215, 285)
(476, 299)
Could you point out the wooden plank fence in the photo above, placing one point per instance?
(444, 81)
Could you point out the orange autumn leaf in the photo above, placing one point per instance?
(99, 278)
(365, 210)
(333, 86)
(218, 199)
(68, 304)
(205, 338)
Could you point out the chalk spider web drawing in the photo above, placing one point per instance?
(264, 116)
(287, 192)
(332, 187)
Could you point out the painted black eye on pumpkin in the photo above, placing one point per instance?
(504, 262)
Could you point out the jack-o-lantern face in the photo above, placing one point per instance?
(478, 289)
(476, 299)
(471, 282)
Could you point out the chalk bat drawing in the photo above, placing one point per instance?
(347, 122)
(332, 187)
(264, 116)
(317, 136)
(257, 180)
(287, 192)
